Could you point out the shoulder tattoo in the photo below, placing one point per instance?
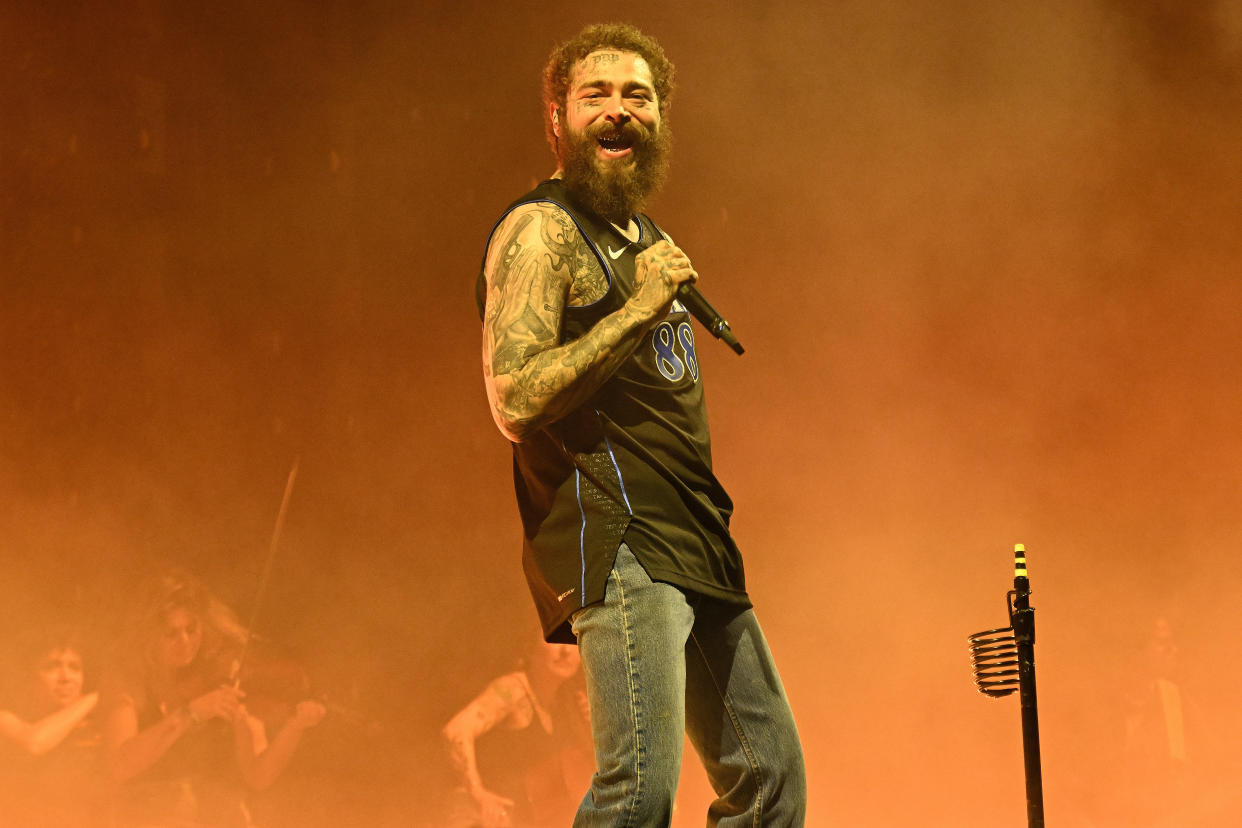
(570, 250)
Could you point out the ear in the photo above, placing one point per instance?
(554, 113)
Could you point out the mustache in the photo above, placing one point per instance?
(631, 131)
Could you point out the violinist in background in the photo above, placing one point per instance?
(1158, 737)
(49, 750)
(522, 748)
(177, 735)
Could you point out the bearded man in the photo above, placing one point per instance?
(591, 371)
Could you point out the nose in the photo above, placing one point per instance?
(617, 113)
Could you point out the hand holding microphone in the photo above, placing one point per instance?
(663, 272)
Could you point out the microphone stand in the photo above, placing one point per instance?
(1004, 661)
(1022, 616)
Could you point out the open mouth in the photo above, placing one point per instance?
(618, 144)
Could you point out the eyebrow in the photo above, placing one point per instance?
(601, 82)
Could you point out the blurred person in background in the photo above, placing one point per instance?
(521, 749)
(49, 753)
(1154, 767)
(178, 737)
(592, 373)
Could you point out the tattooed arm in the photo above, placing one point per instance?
(503, 702)
(536, 264)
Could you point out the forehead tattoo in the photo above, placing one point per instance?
(585, 72)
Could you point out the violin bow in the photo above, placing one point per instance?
(261, 593)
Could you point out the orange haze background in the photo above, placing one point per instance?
(985, 260)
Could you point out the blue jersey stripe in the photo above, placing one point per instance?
(617, 466)
(581, 535)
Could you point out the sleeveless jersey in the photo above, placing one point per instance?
(632, 464)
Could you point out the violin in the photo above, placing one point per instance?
(275, 683)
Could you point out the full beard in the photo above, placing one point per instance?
(615, 189)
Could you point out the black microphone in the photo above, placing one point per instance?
(698, 306)
(702, 310)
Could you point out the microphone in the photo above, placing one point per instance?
(699, 307)
(702, 310)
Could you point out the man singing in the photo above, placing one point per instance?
(591, 371)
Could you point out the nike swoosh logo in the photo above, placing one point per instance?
(616, 255)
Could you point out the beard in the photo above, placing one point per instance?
(615, 189)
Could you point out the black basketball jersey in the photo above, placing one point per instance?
(632, 464)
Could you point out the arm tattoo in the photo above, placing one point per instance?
(533, 377)
(559, 235)
(569, 250)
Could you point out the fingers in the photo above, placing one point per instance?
(495, 810)
(680, 271)
(223, 703)
(671, 264)
(226, 706)
(660, 271)
(310, 713)
(667, 255)
(229, 698)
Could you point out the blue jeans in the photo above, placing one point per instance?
(660, 662)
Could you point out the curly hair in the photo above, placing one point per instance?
(620, 36)
(25, 653)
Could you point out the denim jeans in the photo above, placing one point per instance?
(659, 663)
